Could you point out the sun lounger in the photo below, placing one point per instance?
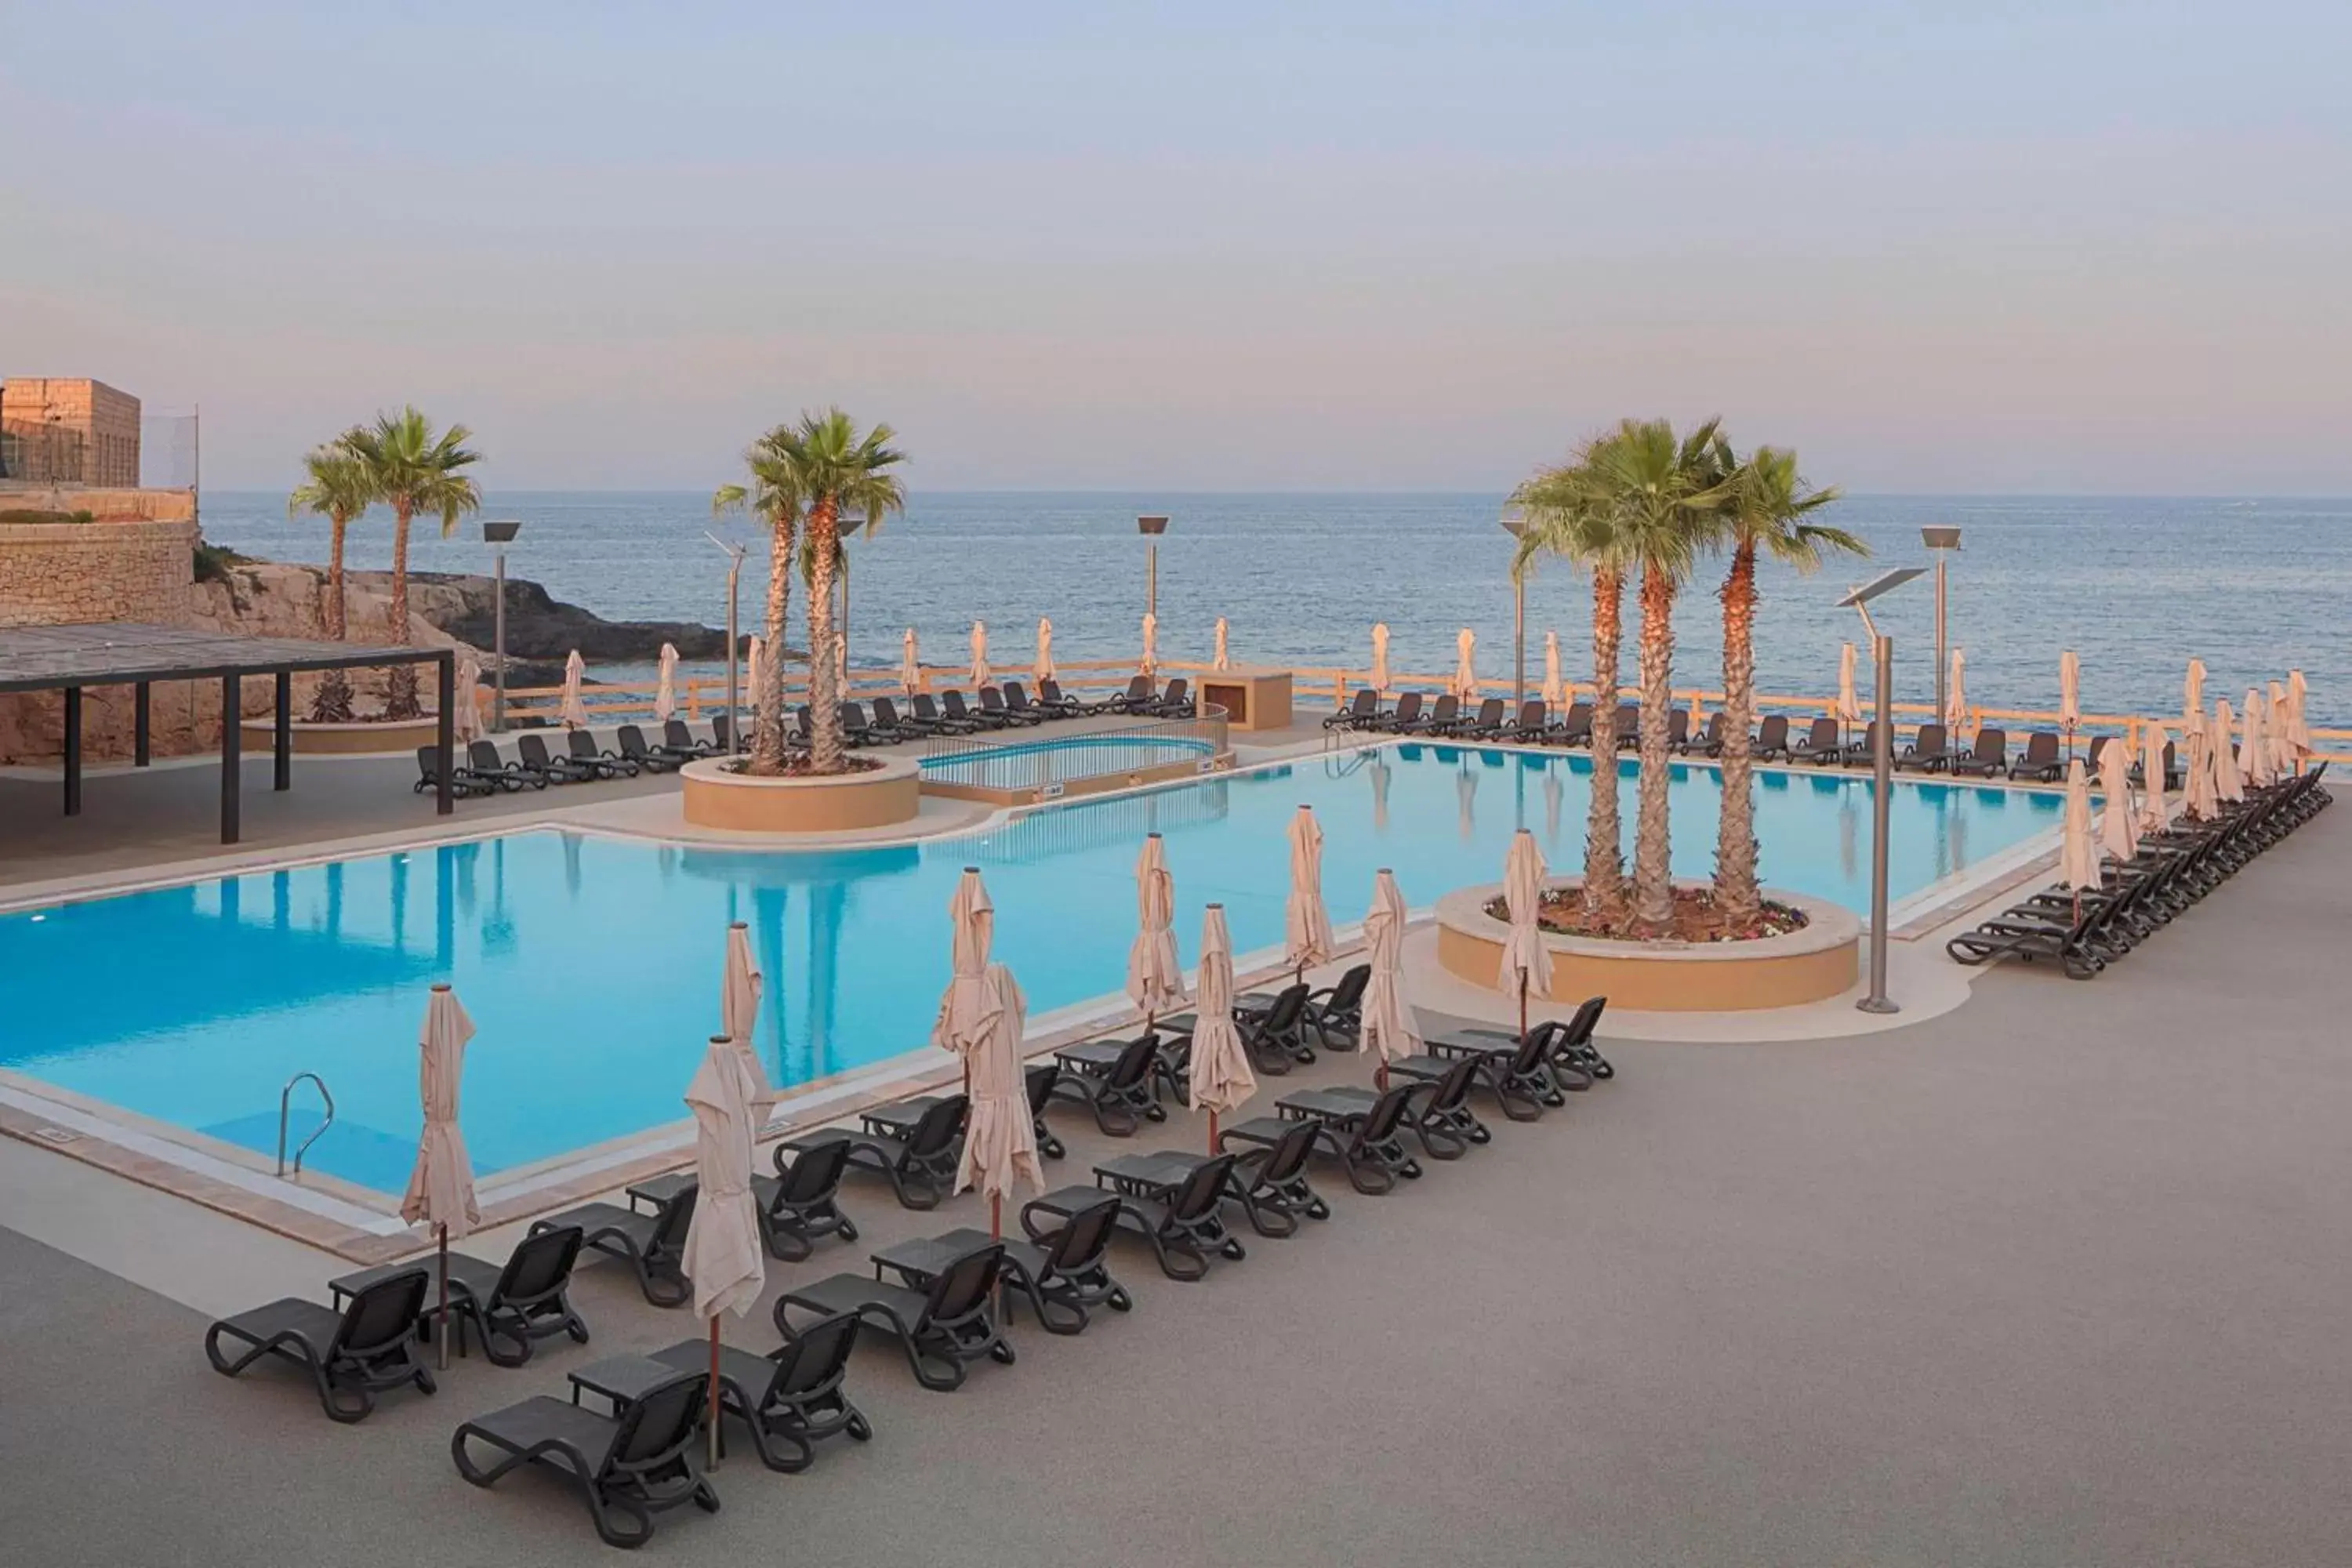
(1485, 724)
(653, 1246)
(1441, 1118)
(1367, 1141)
(463, 780)
(943, 1328)
(1711, 740)
(1176, 703)
(920, 1161)
(1115, 1080)
(927, 712)
(351, 1356)
(800, 1205)
(1532, 725)
(1772, 739)
(532, 746)
(1821, 745)
(790, 1399)
(1629, 725)
(632, 741)
(678, 746)
(1927, 751)
(1406, 713)
(952, 707)
(1138, 698)
(1184, 1223)
(1678, 730)
(1987, 756)
(485, 765)
(992, 707)
(1017, 703)
(1519, 1072)
(1359, 714)
(1863, 752)
(2041, 760)
(1051, 699)
(1063, 1274)
(1274, 1028)
(628, 1467)
(1436, 719)
(1336, 1013)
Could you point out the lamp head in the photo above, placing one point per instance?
(500, 530)
(1941, 538)
(1151, 525)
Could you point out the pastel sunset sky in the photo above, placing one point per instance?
(1984, 247)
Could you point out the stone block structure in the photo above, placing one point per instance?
(59, 430)
(54, 574)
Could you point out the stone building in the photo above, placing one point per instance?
(59, 430)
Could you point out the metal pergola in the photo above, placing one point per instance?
(130, 653)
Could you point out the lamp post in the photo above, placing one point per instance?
(1514, 523)
(1943, 541)
(1882, 778)
(734, 554)
(1152, 527)
(499, 532)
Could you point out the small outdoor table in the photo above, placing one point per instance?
(924, 1259)
(622, 1379)
(1144, 1175)
(658, 1193)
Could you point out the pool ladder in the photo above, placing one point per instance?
(285, 1103)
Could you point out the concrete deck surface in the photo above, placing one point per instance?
(2054, 1279)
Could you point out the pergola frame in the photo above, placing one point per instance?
(68, 659)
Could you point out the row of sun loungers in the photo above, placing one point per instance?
(949, 1300)
(1823, 744)
(2084, 932)
(484, 769)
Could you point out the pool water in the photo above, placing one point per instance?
(591, 965)
(1026, 765)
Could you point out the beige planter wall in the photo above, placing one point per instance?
(884, 797)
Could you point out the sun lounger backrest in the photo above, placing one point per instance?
(1040, 1080)
(1015, 697)
(1715, 728)
(2040, 747)
(541, 1263)
(723, 728)
(816, 1173)
(1380, 1123)
(1408, 708)
(1823, 735)
(1774, 733)
(1991, 745)
(1531, 713)
(1134, 1063)
(924, 707)
(991, 700)
(674, 734)
(1288, 1003)
(1534, 1047)
(1297, 1146)
(381, 1316)
(937, 1129)
(484, 757)
(584, 746)
(428, 763)
(1931, 738)
(1177, 691)
(1349, 994)
(1448, 708)
(669, 1235)
(885, 713)
(1199, 1194)
(2098, 744)
(1139, 689)
(533, 748)
(962, 1287)
(660, 1425)
(1083, 1239)
(1578, 712)
(1452, 1091)
(1490, 712)
(1368, 702)
(1677, 724)
(951, 701)
(815, 1360)
(1587, 1018)
(853, 718)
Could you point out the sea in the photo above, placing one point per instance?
(2133, 585)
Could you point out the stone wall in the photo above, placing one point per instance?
(53, 573)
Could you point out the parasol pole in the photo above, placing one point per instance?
(714, 1391)
(445, 1296)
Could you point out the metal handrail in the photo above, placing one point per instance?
(285, 1102)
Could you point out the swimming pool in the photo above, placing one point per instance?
(591, 964)
(1025, 765)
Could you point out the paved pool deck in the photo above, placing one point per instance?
(2057, 1276)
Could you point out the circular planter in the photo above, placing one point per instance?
(876, 798)
(347, 739)
(1809, 965)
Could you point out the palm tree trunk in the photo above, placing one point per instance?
(827, 752)
(400, 701)
(1653, 889)
(768, 702)
(1604, 863)
(332, 703)
(1736, 900)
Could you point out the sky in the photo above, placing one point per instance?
(1990, 248)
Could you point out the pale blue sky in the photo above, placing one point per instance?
(1992, 246)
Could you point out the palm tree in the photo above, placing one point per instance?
(1563, 518)
(339, 489)
(1765, 509)
(1663, 499)
(823, 470)
(411, 469)
(775, 497)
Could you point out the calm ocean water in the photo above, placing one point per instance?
(2134, 584)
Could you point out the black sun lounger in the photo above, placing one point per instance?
(652, 1245)
(2041, 760)
(511, 1306)
(483, 763)
(800, 1203)
(1517, 1071)
(463, 780)
(627, 1468)
(678, 744)
(1114, 1079)
(943, 1328)
(1401, 720)
(1366, 1141)
(1441, 1117)
(532, 747)
(632, 741)
(1771, 739)
(1821, 745)
(1359, 714)
(927, 712)
(1927, 751)
(1184, 1221)
(1987, 756)
(920, 1161)
(790, 1399)
(1063, 1274)
(1051, 699)
(351, 1356)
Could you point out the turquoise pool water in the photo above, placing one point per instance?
(591, 965)
(991, 763)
